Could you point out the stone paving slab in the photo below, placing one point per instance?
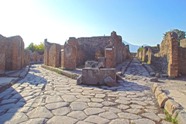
(44, 96)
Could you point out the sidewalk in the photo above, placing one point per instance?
(11, 77)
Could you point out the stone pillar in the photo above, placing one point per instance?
(110, 57)
(46, 52)
(149, 56)
(69, 57)
(26, 57)
(55, 55)
(172, 55)
(17, 52)
(144, 58)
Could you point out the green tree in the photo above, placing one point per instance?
(31, 47)
(180, 33)
(38, 48)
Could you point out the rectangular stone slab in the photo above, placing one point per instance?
(95, 76)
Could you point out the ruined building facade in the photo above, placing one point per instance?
(76, 51)
(12, 54)
(169, 57)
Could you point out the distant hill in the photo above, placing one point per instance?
(133, 48)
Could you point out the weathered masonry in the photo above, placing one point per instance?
(169, 57)
(76, 51)
(12, 54)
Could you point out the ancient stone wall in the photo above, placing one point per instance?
(26, 57)
(92, 48)
(52, 54)
(182, 61)
(68, 58)
(173, 54)
(149, 56)
(77, 51)
(110, 57)
(36, 57)
(11, 53)
(88, 48)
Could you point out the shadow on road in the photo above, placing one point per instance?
(125, 86)
(14, 98)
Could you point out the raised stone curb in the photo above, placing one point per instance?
(171, 106)
(60, 71)
(23, 73)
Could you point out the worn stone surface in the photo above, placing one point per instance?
(171, 106)
(162, 98)
(47, 97)
(61, 120)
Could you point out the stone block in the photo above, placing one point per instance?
(158, 91)
(55, 55)
(94, 76)
(162, 98)
(15, 54)
(154, 86)
(171, 106)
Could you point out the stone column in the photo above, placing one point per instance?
(172, 55)
(110, 57)
(69, 57)
(149, 56)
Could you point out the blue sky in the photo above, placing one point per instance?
(137, 21)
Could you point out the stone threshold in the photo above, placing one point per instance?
(169, 104)
(69, 73)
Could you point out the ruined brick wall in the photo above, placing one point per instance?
(36, 57)
(46, 52)
(173, 54)
(182, 61)
(26, 57)
(52, 54)
(110, 57)
(91, 48)
(11, 53)
(15, 53)
(164, 47)
(120, 50)
(68, 57)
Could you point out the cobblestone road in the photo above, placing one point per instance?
(47, 97)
